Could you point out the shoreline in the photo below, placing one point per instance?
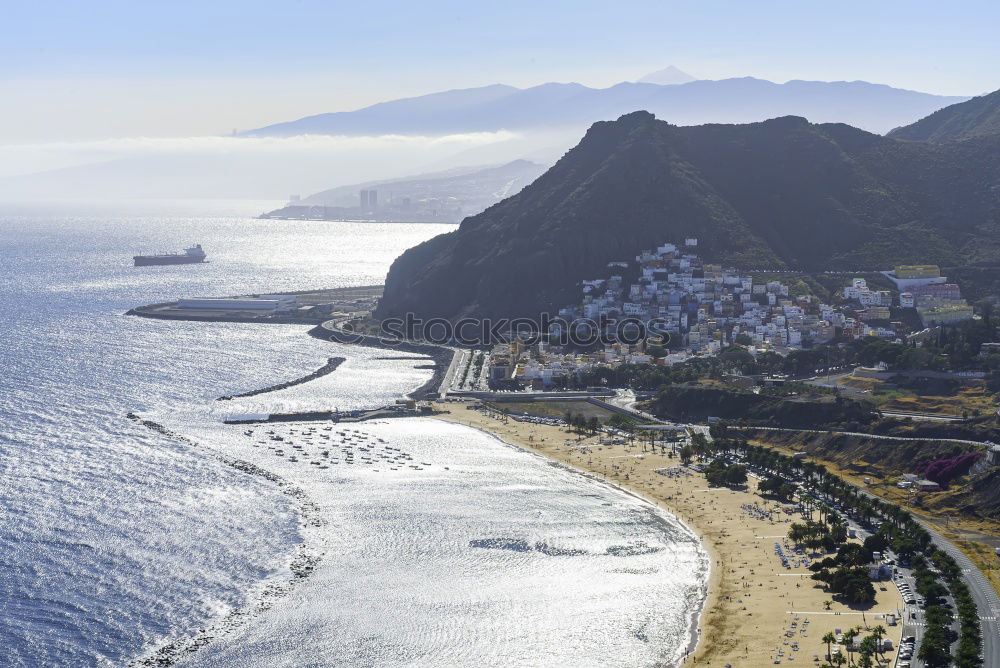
(440, 356)
(722, 629)
(302, 562)
(694, 625)
(741, 562)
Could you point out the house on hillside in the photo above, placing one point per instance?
(927, 486)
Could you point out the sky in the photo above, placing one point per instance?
(150, 91)
(75, 70)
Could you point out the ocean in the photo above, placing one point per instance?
(434, 545)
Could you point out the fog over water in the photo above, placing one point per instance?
(116, 539)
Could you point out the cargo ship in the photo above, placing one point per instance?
(191, 255)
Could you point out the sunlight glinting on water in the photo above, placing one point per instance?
(115, 539)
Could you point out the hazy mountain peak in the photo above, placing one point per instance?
(668, 76)
(874, 107)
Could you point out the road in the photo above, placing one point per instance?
(457, 362)
(864, 435)
(982, 591)
(933, 417)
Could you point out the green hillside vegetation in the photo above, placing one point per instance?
(699, 401)
(978, 117)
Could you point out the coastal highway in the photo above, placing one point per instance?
(982, 591)
(457, 361)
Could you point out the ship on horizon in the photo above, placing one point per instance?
(192, 255)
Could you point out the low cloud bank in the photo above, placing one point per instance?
(254, 167)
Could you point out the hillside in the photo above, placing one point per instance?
(781, 193)
(874, 107)
(697, 402)
(978, 117)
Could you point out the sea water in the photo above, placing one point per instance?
(117, 540)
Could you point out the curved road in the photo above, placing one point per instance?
(864, 435)
(982, 591)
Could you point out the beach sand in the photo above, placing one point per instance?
(757, 611)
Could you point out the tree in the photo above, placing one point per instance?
(736, 475)
(878, 633)
(849, 636)
(686, 453)
(829, 639)
(699, 443)
(619, 421)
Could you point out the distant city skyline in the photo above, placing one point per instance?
(74, 71)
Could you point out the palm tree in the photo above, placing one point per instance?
(829, 639)
(878, 633)
(849, 637)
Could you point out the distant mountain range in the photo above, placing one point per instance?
(446, 197)
(978, 117)
(782, 193)
(873, 107)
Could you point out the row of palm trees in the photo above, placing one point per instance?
(820, 490)
(871, 652)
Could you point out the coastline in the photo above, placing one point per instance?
(722, 629)
(750, 601)
(440, 356)
(302, 563)
(711, 585)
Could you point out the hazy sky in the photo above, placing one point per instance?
(98, 69)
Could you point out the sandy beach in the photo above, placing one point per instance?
(757, 611)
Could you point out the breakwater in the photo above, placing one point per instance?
(441, 356)
(330, 366)
(333, 416)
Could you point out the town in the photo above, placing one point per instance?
(696, 309)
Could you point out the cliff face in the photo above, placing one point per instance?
(782, 193)
(978, 117)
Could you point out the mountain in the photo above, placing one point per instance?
(445, 196)
(977, 117)
(782, 193)
(668, 76)
(874, 107)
